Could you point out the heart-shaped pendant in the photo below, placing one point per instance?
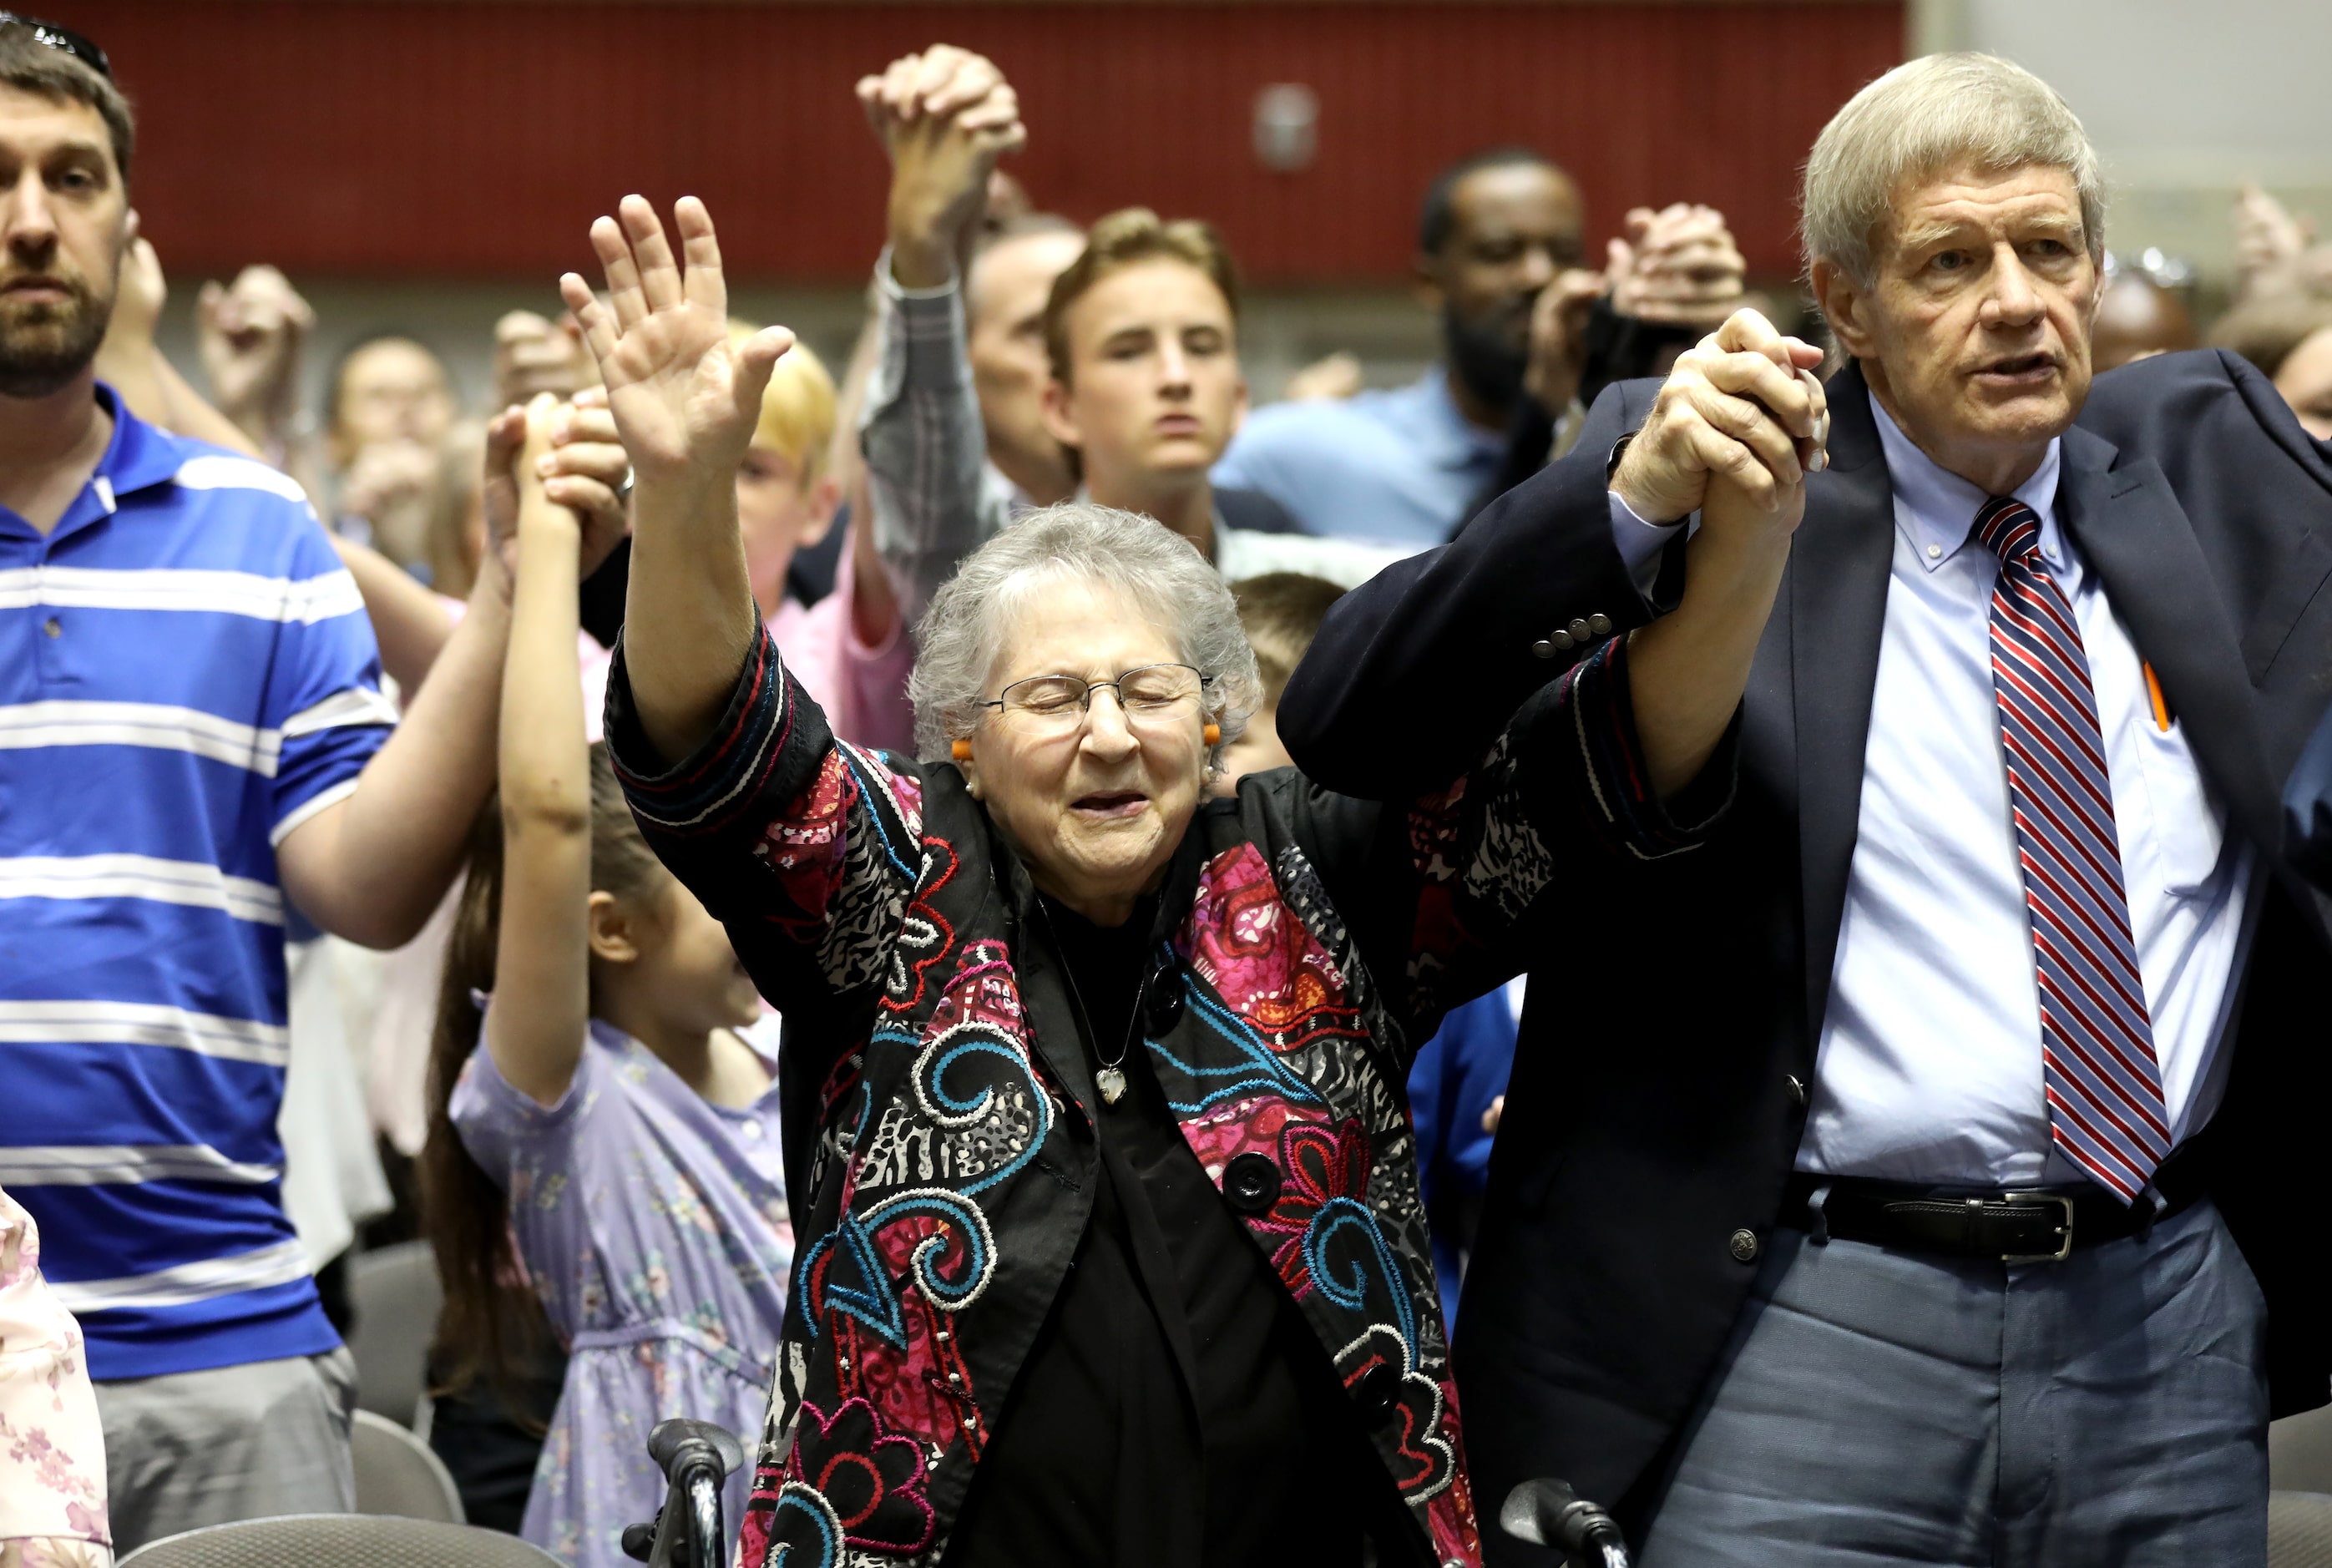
(1111, 1081)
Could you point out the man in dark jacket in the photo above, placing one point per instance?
(1908, 1174)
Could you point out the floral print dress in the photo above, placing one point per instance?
(52, 1452)
(655, 1225)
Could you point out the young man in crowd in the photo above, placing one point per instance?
(1525, 327)
(196, 742)
(1140, 336)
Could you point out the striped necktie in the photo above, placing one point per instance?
(2106, 1110)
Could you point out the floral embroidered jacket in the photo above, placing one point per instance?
(1314, 938)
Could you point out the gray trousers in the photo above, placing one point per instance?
(239, 1442)
(1877, 1407)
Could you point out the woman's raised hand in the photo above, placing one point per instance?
(684, 402)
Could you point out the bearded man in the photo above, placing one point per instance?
(193, 739)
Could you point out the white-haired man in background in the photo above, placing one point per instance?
(1923, 1170)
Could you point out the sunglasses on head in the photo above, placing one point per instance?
(65, 40)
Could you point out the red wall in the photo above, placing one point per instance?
(405, 139)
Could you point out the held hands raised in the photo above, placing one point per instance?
(943, 117)
(685, 403)
(1678, 265)
(580, 467)
(1735, 408)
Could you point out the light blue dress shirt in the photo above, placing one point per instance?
(1396, 467)
(1929, 1064)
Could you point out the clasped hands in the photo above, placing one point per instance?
(943, 118)
(580, 462)
(1736, 428)
(1677, 266)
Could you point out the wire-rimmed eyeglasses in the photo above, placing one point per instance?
(63, 39)
(1151, 695)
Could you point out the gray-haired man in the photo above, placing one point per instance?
(1908, 1175)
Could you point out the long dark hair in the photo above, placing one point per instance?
(492, 1317)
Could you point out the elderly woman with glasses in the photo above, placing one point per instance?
(1111, 1246)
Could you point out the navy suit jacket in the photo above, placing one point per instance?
(1659, 1091)
(2307, 808)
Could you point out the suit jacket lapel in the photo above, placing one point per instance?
(1837, 588)
(2135, 537)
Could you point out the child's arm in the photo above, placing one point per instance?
(535, 1028)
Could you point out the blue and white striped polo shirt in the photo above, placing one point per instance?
(186, 674)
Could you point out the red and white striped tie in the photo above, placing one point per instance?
(2106, 1109)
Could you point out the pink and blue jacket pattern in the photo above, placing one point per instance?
(1314, 938)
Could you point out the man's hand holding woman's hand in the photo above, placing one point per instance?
(1738, 423)
(1734, 409)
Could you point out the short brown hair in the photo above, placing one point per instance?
(30, 66)
(1124, 239)
(1282, 612)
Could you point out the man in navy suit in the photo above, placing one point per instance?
(1923, 1169)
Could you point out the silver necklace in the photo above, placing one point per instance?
(1110, 1079)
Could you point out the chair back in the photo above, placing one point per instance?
(2299, 1451)
(395, 1292)
(2298, 1530)
(397, 1473)
(339, 1540)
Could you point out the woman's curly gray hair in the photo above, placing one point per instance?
(971, 617)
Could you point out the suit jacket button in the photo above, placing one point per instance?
(1743, 1244)
(1599, 625)
(1581, 631)
(1251, 1183)
(1797, 1090)
(1545, 648)
(1378, 1393)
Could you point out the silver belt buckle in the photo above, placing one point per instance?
(2064, 1232)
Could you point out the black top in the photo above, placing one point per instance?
(1174, 1409)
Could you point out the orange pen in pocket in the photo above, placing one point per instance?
(2153, 695)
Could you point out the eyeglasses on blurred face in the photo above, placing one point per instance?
(63, 39)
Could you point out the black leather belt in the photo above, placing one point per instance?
(2028, 1225)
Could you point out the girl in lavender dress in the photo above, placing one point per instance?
(600, 1134)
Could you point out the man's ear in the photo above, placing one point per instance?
(1425, 282)
(613, 929)
(1239, 405)
(1059, 423)
(1842, 303)
(824, 495)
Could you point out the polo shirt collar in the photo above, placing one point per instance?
(139, 455)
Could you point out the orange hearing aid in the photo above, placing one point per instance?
(1212, 733)
(960, 751)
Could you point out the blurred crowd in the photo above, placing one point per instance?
(475, 1010)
